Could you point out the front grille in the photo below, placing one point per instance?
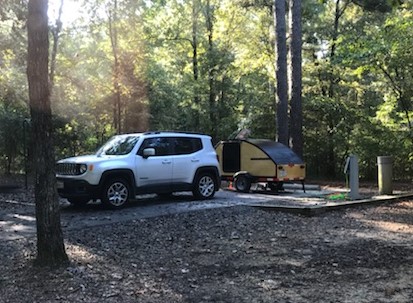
(67, 169)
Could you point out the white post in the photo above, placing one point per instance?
(354, 177)
(385, 174)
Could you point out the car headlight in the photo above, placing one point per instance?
(82, 168)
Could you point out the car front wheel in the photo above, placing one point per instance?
(204, 186)
(115, 193)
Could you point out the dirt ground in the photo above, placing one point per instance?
(235, 254)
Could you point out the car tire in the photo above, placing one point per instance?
(242, 183)
(78, 202)
(115, 193)
(204, 186)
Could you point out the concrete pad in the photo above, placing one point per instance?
(314, 200)
(313, 205)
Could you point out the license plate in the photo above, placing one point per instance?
(60, 185)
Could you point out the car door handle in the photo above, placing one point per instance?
(194, 160)
(166, 162)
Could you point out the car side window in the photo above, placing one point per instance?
(184, 145)
(161, 145)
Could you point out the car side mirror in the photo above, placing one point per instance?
(148, 152)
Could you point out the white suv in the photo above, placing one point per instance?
(132, 164)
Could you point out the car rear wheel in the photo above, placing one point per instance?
(115, 193)
(204, 186)
(242, 183)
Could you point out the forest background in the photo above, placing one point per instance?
(121, 66)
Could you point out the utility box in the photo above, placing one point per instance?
(385, 174)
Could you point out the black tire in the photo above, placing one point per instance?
(115, 193)
(78, 202)
(204, 186)
(242, 183)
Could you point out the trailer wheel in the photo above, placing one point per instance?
(242, 183)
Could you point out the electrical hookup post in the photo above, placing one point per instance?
(351, 169)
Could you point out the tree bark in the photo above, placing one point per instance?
(195, 68)
(50, 244)
(339, 11)
(211, 69)
(331, 155)
(296, 115)
(281, 72)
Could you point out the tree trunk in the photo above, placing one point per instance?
(331, 158)
(211, 69)
(195, 13)
(50, 245)
(333, 48)
(296, 115)
(281, 72)
(56, 34)
(113, 33)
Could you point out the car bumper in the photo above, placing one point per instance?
(68, 188)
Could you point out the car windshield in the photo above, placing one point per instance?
(118, 145)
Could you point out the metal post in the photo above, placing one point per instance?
(354, 177)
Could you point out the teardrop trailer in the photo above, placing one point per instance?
(248, 161)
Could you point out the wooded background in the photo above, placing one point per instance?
(210, 66)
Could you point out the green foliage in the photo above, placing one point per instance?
(198, 65)
(383, 6)
(11, 135)
(370, 75)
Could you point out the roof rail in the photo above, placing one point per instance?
(173, 131)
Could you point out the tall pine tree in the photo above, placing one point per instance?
(50, 245)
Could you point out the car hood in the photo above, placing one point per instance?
(85, 159)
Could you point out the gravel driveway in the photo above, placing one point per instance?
(231, 254)
(17, 211)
